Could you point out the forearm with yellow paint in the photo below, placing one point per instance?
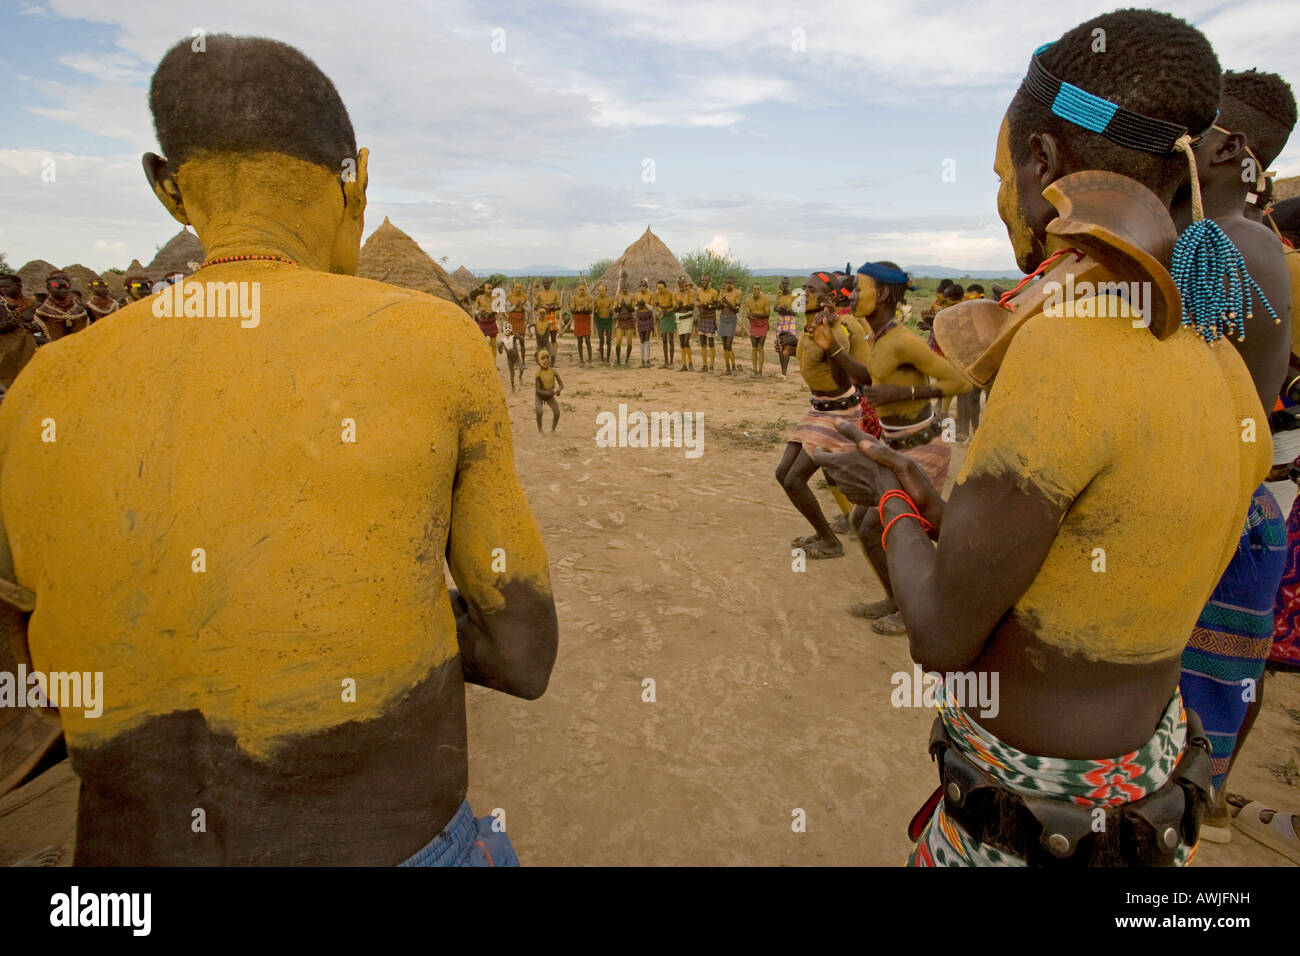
(505, 613)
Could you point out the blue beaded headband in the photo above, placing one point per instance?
(1117, 123)
(1213, 283)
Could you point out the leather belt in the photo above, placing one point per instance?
(1049, 831)
(915, 439)
(837, 404)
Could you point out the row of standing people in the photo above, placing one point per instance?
(29, 321)
(681, 319)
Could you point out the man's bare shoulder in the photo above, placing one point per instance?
(397, 303)
(1254, 240)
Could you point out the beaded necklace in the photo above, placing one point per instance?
(213, 262)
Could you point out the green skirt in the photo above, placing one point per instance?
(668, 321)
(605, 324)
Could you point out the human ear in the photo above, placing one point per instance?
(354, 188)
(1230, 149)
(1047, 158)
(162, 181)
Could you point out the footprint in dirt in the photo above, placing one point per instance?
(615, 517)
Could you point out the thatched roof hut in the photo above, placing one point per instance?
(136, 269)
(647, 258)
(465, 280)
(81, 277)
(183, 253)
(392, 256)
(1287, 188)
(34, 275)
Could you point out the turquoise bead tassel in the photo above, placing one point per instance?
(1213, 281)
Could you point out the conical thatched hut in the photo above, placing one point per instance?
(81, 276)
(392, 256)
(466, 280)
(183, 253)
(1287, 188)
(34, 275)
(647, 258)
(136, 269)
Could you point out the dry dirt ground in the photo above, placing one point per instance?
(769, 698)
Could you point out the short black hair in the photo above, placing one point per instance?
(944, 285)
(1260, 105)
(245, 95)
(1154, 64)
(975, 287)
(955, 291)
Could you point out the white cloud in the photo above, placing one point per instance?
(492, 157)
(97, 211)
(114, 66)
(116, 110)
(719, 246)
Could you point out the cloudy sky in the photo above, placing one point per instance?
(508, 134)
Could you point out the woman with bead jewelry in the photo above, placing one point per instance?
(706, 298)
(665, 303)
(786, 338)
(759, 309)
(905, 375)
(729, 303)
(827, 339)
(485, 317)
(685, 321)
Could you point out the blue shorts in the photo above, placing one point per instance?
(465, 841)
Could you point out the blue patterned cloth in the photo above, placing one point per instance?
(1224, 660)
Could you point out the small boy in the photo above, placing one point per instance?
(514, 358)
(549, 386)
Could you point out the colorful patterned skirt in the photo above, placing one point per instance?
(518, 323)
(817, 427)
(933, 457)
(581, 324)
(1225, 657)
(708, 324)
(758, 326)
(1109, 782)
(645, 322)
(488, 325)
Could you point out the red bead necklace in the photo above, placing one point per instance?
(213, 262)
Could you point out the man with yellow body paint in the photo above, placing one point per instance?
(252, 524)
(546, 317)
(516, 302)
(1056, 564)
